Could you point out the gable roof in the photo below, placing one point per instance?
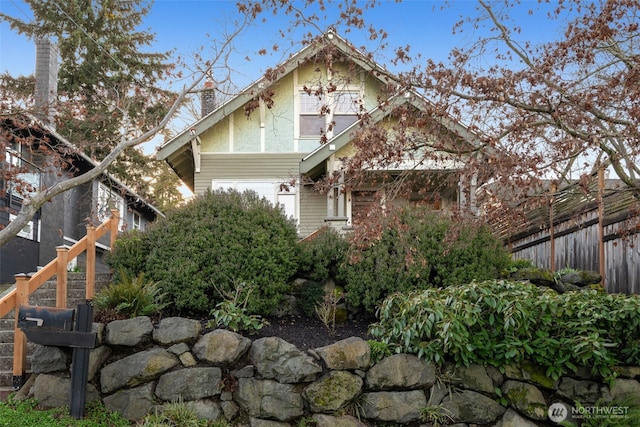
(177, 151)
(314, 163)
(87, 163)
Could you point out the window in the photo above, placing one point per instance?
(27, 232)
(12, 155)
(25, 176)
(312, 123)
(345, 110)
(341, 109)
(108, 199)
(137, 221)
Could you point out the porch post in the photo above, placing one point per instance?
(468, 201)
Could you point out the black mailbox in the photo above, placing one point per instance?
(35, 317)
(53, 326)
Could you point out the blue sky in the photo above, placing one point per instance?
(188, 25)
(183, 25)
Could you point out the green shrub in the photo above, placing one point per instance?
(220, 238)
(232, 312)
(311, 294)
(418, 250)
(320, 255)
(130, 296)
(130, 253)
(515, 265)
(502, 322)
(379, 350)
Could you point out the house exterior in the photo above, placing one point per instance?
(63, 220)
(294, 126)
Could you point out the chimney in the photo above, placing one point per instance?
(46, 81)
(207, 98)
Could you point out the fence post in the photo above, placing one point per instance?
(552, 237)
(601, 258)
(91, 262)
(61, 276)
(115, 220)
(19, 339)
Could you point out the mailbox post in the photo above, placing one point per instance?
(54, 327)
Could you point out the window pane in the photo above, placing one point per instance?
(346, 102)
(312, 125)
(310, 103)
(342, 122)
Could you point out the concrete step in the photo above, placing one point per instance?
(6, 364)
(6, 350)
(6, 336)
(5, 391)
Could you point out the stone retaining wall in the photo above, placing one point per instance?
(269, 382)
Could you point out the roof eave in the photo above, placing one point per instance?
(182, 140)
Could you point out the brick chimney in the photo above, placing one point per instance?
(46, 81)
(207, 98)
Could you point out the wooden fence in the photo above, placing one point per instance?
(587, 226)
(26, 285)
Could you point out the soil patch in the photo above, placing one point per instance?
(309, 332)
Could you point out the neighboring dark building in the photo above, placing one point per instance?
(26, 142)
(63, 220)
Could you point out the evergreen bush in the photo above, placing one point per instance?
(311, 294)
(501, 322)
(321, 255)
(217, 239)
(130, 253)
(417, 249)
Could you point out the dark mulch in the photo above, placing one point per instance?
(302, 331)
(309, 332)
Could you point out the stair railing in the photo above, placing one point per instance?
(26, 285)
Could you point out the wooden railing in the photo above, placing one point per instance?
(26, 285)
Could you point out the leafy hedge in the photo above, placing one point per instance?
(419, 250)
(321, 255)
(217, 240)
(130, 253)
(501, 322)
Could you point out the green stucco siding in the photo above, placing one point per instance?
(246, 132)
(216, 139)
(279, 118)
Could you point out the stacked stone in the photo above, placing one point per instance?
(269, 382)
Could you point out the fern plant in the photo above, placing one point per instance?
(130, 296)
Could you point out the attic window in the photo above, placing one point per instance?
(341, 110)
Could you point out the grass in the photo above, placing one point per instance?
(26, 414)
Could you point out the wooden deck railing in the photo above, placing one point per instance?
(26, 285)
